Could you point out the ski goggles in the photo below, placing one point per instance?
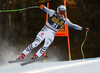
(61, 12)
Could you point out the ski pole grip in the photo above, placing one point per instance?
(41, 6)
(85, 29)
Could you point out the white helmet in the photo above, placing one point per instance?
(61, 9)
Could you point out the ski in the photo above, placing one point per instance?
(22, 60)
(31, 61)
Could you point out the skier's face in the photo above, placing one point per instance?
(60, 15)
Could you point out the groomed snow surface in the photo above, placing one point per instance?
(90, 65)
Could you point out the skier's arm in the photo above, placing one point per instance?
(49, 11)
(75, 26)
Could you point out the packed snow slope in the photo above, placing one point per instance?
(91, 65)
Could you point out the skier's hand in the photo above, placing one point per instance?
(41, 6)
(85, 29)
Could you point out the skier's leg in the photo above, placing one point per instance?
(48, 41)
(37, 41)
(39, 38)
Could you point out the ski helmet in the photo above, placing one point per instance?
(61, 9)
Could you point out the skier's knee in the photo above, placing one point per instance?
(35, 44)
(47, 43)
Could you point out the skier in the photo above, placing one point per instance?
(47, 33)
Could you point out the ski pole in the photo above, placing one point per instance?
(82, 45)
(19, 9)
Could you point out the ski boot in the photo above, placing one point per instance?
(21, 56)
(34, 57)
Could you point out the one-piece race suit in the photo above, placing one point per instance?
(48, 31)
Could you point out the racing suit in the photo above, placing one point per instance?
(47, 33)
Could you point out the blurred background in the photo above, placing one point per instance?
(19, 29)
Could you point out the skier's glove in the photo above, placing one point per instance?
(85, 29)
(41, 6)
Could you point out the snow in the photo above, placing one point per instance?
(90, 65)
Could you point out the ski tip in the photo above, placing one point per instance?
(9, 62)
(21, 64)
